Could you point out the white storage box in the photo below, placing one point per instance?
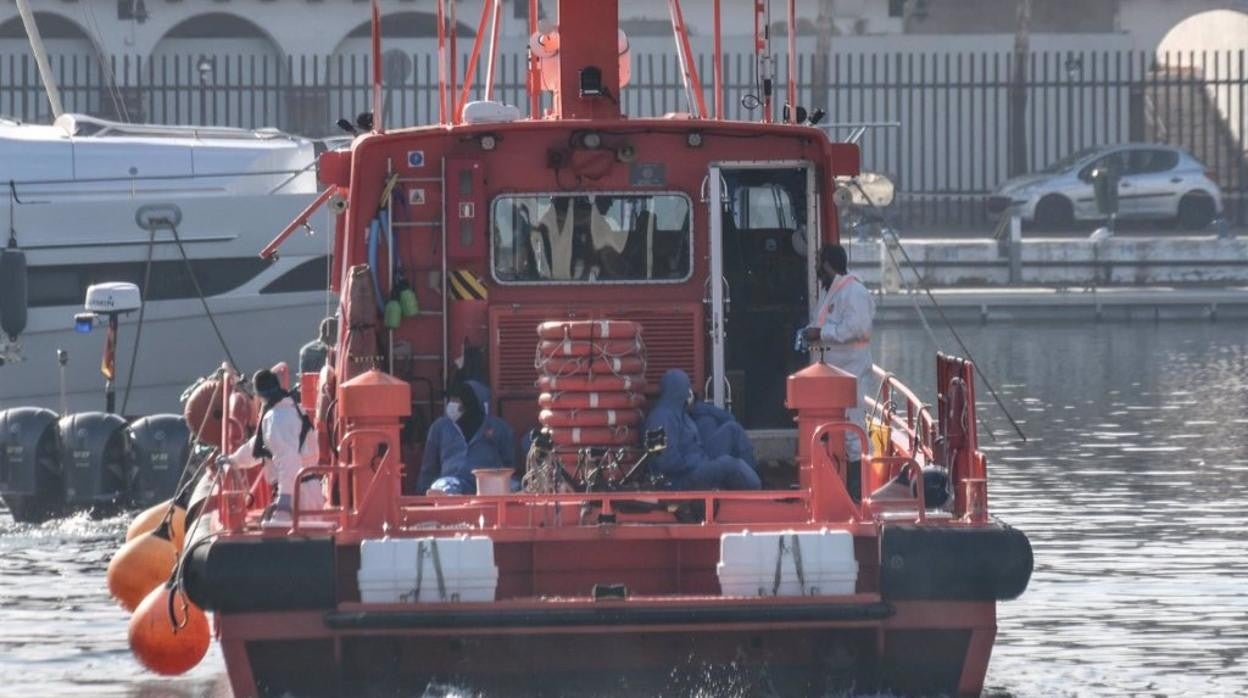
(809, 563)
(406, 570)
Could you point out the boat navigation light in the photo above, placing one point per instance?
(488, 142)
(590, 140)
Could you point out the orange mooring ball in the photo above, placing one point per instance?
(158, 643)
(151, 518)
(204, 413)
(141, 565)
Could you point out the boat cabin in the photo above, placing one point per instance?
(705, 231)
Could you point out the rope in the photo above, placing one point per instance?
(190, 270)
(930, 333)
(796, 550)
(138, 333)
(891, 230)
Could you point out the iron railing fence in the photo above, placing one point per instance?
(950, 150)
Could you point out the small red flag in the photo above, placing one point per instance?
(108, 364)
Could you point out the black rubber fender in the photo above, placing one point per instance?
(964, 563)
(256, 575)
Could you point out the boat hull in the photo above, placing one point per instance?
(791, 647)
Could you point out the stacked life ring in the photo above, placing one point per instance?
(591, 374)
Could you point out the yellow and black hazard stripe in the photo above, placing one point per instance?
(465, 286)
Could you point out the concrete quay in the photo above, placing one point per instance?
(1118, 278)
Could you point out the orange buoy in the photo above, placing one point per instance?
(141, 565)
(151, 518)
(165, 644)
(204, 413)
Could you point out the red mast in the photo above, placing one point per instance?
(589, 65)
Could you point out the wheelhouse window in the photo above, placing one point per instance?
(591, 238)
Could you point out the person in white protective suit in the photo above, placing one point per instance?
(284, 444)
(841, 330)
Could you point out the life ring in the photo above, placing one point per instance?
(580, 401)
(589, 329)
(589, 418)
(600, 383)
(551, 348)
(597, 365)
(593, 436)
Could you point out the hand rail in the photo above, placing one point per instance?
(919, 425)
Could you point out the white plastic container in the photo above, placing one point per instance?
(403, 570)
(811, 563)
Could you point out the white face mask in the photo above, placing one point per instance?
(454, 411)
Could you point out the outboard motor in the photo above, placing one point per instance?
(157, 449)
(30, 478)
(93, 457)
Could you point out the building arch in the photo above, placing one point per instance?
(1203, 112)
(222, 60)
(409, 30)
(72, 52)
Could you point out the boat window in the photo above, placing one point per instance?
(767, 207)
(588, 238)
(57, 285)
(311, 275)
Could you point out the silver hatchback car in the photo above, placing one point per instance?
(1158, 182)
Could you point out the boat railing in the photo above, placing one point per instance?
(896, 408)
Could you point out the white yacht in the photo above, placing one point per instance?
(92, 201)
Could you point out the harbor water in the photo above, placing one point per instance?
(1132, 485)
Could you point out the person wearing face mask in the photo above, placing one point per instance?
(465, 439)
(285, 443)
(687, 462)
(841, 329)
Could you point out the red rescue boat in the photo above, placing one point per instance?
(619, 248)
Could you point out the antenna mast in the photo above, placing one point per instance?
(41, 58)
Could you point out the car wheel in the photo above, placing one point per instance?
(1196, 211)
(1054, 212)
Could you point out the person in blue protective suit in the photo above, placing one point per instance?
(467, 438)
(686, 462)
(720, 432)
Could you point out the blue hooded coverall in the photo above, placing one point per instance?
(687, 462)
(721, 433)
(449, 458)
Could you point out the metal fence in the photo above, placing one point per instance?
(950, 150)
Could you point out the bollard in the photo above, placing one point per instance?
(820, 394)
(1016, 250)
(372, 407)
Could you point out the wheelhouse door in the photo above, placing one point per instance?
(763, 238)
